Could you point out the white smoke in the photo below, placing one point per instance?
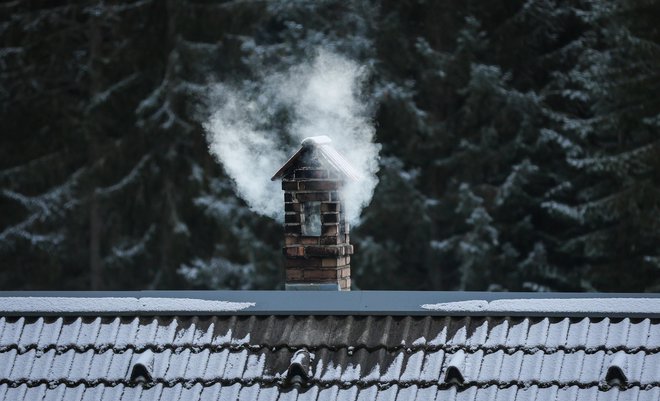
(323, 98)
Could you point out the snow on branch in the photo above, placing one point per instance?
(127, 180)
(102, 97)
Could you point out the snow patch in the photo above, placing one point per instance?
(565, 305)
(72, 304)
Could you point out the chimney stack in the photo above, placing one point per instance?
(316, 249)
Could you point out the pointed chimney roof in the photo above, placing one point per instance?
(326, 153)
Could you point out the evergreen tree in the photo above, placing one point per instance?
(607, 126)
(520, 146)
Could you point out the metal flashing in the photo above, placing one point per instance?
(392, 303)
(312, 287)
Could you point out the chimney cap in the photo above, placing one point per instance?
(325, 153)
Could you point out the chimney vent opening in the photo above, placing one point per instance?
(615, 375)
(141, 371)
(453, 374)
(311, 216)
(298, 373)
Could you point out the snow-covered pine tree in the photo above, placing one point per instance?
(607, 125)
(115, 168)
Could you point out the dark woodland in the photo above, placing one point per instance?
(520, 142)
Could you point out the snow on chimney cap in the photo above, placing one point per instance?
(316, 140)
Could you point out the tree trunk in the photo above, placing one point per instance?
(95, 262)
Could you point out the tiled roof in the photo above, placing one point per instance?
(345, 357)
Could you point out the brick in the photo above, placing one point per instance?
(294, 274)
(312, 196)
(328, 240)
(323, 251)
(309, 240)
(294, 251)
(303, 263)
(335, 197)
(288, 197)
(292, 229)
(330, 229)
(348, 249)
(344, 283)
(319, 274)
(318, 185)
(330, 217)
(330, 207)
(345, 272)
(334, 262)
(311, 173)
(292, 207)
(290, 185)
(292, 218)
(347, 238)
(291, 239)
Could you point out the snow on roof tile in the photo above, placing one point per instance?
(531, 366)
(370, 394)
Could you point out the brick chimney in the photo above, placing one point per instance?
(316, 249)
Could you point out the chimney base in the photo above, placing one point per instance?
(312, 287)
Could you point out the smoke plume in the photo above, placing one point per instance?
(258, 125)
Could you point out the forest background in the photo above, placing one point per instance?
(520, 142)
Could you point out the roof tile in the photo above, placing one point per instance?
(537, 332)
(107, 334)
(212, 393)
(653, 336)
(30, 333)
(407, 393)
(506, 394)
(413, 367)
(569, 394)
(498, 333)
(617, 335)
(388, 393)
(210, 356)
(571, 365)
(50, 334)
(517, 334)
(199, 368)
(597, 333)
(432, 366)
(651, 369)
(578, 332)
(8, 362)
(531, 366)
(370, 393)
(593, 367)
(425, 394)
(557, 333)
(650, 394)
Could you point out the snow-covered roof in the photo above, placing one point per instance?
(225, 345)
(325, 152)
